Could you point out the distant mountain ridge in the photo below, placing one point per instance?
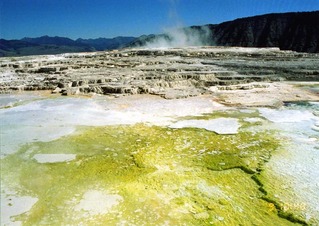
(288, 31)
(101, 44)
(55, 45)
(47, 40)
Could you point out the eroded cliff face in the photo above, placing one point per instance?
(170, 73)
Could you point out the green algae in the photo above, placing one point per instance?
(231, 113)
(278, 190)
(240, 115)
(165, 176)
(32, 96)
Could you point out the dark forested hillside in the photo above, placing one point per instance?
(288, 31)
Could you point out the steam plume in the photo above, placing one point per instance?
(176, 35)
(179, 37)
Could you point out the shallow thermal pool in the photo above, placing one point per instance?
(142, 160)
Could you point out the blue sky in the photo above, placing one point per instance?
(111, 18)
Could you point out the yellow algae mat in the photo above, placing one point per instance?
(146, 175)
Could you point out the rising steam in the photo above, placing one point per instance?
(180, 37)
(176, 35)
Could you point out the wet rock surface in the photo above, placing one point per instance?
(146, 160)
(170, 73)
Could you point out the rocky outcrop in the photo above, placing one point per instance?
(170, 73)
(287, 31)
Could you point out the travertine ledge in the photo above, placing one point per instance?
(170, 73)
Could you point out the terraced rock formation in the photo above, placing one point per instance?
(170, 73)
